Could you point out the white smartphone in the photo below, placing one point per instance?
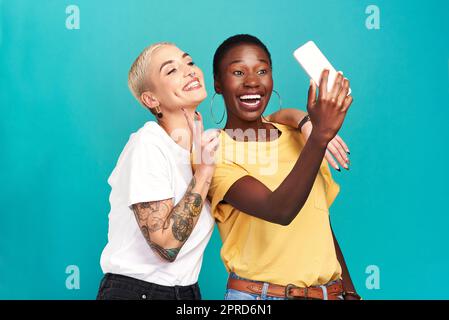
(313, 61)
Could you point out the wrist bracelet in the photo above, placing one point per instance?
(303, 122)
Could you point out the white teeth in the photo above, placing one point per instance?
(251, 103)
(250, 96)
(192, 85)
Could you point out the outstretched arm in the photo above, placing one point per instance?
(289, 117)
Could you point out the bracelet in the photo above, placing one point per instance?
(352, 293)
(303, 122)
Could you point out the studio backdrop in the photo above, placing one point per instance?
(66, 114)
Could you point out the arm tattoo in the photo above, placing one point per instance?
(167, 254)
(157, 216)
(184, 212)
(154, 215)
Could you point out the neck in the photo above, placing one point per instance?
(175, 124)
(234, 122)
(257, 126)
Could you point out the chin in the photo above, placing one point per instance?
(195, 101)
(200, 96)
(249, 116)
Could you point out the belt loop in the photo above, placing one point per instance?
(263, 295)
(177, 293)
(324, 289)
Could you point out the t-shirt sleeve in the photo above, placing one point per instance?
(145, 174)
(332, 188)
(226, 174)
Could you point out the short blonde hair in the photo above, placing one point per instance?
(138, 74)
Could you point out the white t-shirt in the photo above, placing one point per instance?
(151, 167)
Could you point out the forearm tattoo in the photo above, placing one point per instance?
(158, 216)
(167, 254)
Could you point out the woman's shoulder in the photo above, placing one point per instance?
(286, 130)
(146, 139)
(149, 133)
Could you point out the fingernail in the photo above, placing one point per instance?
(347, 151)
(338, 169)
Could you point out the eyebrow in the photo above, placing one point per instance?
(261, 60)
(171, 61)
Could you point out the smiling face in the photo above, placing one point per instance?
(245, 81)
(175, 82)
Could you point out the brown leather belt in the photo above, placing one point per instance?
(290, 291)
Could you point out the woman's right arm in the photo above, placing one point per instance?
(281, 206)
(166, 226)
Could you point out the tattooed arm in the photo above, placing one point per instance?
(166, 226)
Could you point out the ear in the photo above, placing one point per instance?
(149, 100)
(217, 86)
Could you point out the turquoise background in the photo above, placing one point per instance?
(66, 114)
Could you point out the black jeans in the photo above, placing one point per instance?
(119, 287)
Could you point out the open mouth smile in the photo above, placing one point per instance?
(250, 102)
(194, 84)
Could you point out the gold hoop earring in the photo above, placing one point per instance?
(212, 112)
(280, 99)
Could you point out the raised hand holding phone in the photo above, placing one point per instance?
(328, 111)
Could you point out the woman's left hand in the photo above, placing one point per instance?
(336, 149)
